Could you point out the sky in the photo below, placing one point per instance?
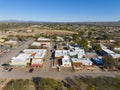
(60, 10)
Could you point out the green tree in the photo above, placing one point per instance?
(109, 62)
(90, 34)
(71, 88)
(107, 37)
(90, 87)
(54, 37)
(75, 37)
(81, 33)
(83, 43)
(97, 47)
(117, 43)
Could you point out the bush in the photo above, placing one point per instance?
(109, 62)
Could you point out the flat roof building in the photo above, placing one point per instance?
(37, 53)
(33, 56)
(66, 62)
(82, 61)
(20, 60)
(41, 44)
(43, 39)
(61, 53)
(110, 52)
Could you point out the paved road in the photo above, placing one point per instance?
(12, 53)
(47, 64)
(56, 75)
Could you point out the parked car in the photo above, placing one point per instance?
(4, 64)
(8, 69)
(6, 51)
(31, 70)
(21, 52)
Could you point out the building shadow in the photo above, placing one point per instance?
(36, 82)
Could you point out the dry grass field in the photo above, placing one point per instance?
(40, 31)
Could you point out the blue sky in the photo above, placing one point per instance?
(60, 10)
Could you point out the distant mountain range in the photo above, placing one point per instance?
(15, 21)
(30, 21)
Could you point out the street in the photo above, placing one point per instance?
(47, 64)
(55, 75)
(12, 53)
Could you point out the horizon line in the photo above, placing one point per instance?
(18, 20)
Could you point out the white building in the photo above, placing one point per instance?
(61, 53)
(83, 61)
(37, 62)
(117, 48)
(36, 44)
(11, 42)
(79, 63)
(80, 52)
(37, 56)
(64, 56)
(77, 51)
(66, 62)
(41, 44)
(59, 39)
(37, 53)
(21, 60)
(42, 39)
(110, 52)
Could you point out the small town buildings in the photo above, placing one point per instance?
(41, 44)
(61, 53)
(71, 47)
(72, 52)
(2, 40)
(106, 42)
(29, 31)
(37, 63)
(109, 52)
(79, 63)
(82, 61)
(80, 52)
(66, 55)
(77, 52)
(11, 43)
(35, 26)
(66, 62)
(37, 53)
(59, 39)
(115, 55)
(36, 44)
(89, 44)
(42, 39)
(117, 48)
(63, 57)
(30, 57)
(20, 60)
